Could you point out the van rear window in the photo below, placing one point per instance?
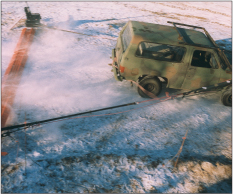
(160, 52)
(126, 38)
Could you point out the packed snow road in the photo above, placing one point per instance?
(67, 73)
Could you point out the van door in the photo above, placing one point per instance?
(164, 60)
(203, 69)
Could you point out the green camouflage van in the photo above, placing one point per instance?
(183, 58)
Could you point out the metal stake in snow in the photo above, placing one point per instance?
(180, 150)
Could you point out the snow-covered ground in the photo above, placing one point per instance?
(67, 73)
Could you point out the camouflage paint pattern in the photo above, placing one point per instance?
(180, 75)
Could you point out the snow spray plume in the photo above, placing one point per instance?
(62, 77)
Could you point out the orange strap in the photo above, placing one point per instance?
(14, 71)
(4, 153)
(145, 91)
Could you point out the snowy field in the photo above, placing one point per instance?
(67, 73)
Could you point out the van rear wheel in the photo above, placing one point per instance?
(152, 85)
(226, 97)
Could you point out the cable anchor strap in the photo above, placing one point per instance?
(206, 88)
(185, 94)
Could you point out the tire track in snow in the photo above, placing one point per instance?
(178, 16)
(185, 6)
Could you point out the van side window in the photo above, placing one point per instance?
(160, 52)
(204, 59)
(126, 38)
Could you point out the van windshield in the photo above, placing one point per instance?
(126, 38)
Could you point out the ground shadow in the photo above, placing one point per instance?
(79, 161)
(224, 186)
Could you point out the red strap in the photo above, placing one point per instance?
(167, 94)
(4, 153)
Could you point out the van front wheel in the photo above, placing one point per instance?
(152, 85)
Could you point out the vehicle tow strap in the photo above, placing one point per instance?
(14, 72)
(70, 31)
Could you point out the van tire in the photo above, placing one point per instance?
(226, 97)
(152, 85)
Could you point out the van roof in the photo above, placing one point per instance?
(163, 34)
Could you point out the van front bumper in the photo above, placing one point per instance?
(117, 75)
(115, 66)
